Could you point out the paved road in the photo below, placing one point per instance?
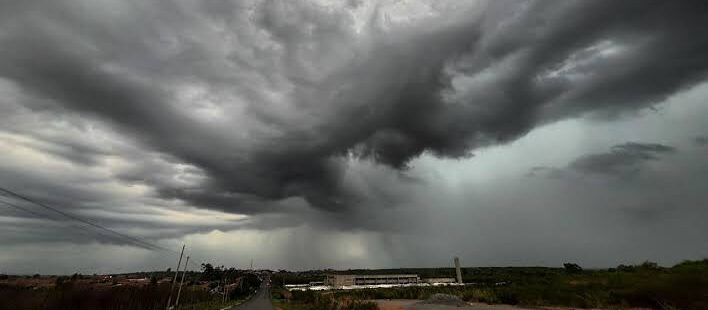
(260, 301)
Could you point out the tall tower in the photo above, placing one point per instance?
(457, 270)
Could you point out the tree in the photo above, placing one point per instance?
(208, 272)
(625, 268)
(211, 273)
(572, 268)
(649, 265)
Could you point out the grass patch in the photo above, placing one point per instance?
(309, 300)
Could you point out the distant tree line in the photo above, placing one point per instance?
(646, 285)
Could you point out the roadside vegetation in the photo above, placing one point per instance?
(683, 286)
(309, 300)
(139, 291)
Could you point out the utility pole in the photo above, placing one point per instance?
(233, 273)
(457, 270)
(181, 282)
(232, 270)
(169, 300)
(251, 263)
(223, 285)
(225, 277)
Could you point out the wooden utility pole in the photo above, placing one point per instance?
(181, 282)
(225, 277)
(232, 272)
(169, 300)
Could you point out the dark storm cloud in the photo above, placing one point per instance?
(314, 94)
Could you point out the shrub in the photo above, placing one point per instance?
(59, 281)
(78, 297)
(362, 305)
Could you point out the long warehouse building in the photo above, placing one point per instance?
(339, 280)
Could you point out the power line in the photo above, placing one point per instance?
(142, 243)
(85, 221)
(41, 215)
(37, 214)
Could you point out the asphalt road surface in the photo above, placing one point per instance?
(260, 301)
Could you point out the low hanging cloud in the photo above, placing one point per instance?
(621, 160)
(239, 106)
(701, 140)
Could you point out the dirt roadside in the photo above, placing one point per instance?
(408, 304)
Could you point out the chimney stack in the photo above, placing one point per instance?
(457, 270)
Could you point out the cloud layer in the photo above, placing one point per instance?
(268, 101)
(315, 111)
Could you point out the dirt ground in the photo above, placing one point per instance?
(408, 304)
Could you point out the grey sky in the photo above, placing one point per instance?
(344, 134)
